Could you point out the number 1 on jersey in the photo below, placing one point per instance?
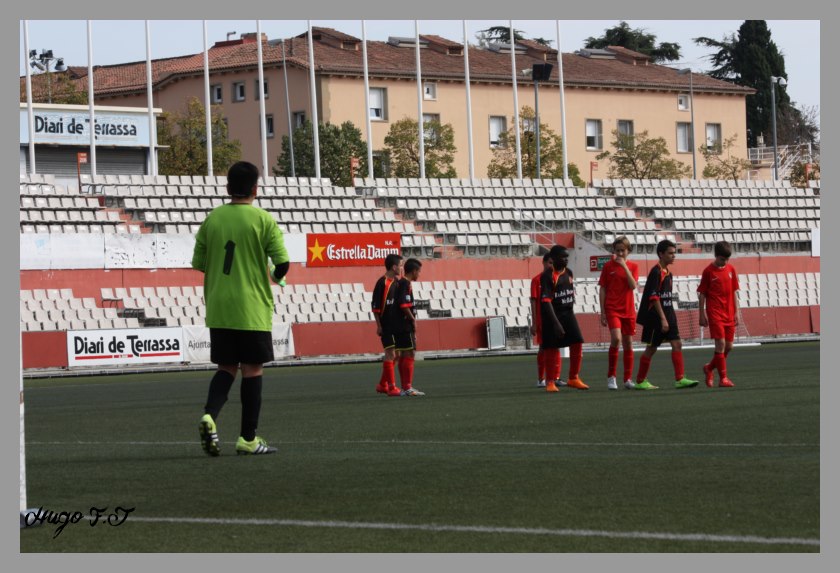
(229, 248)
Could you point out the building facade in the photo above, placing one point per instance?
(605, 90)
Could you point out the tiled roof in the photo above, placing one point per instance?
(386, 60)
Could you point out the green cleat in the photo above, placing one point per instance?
(685, 383)
(209, 437)
(646, 385)
(257, 446)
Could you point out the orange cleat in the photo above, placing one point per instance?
(726, 383)
(394, 391)
(551, 387)
(577, 383)
(709, 373)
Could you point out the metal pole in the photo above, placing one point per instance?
(691, 100)
(537, 122)
(421, 146)
(562, 106)
(288, 108)
(90, 102)
(49, 81)
(314, 99)
(207, 104)
(367, 102)
(775, 150)
(30, 112)
(469, 102)
(261, 95)
(515, 102)
(150, 102)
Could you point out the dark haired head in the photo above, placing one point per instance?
(391, 260)
(411, 265)
(546, 257)
(664, 245)
(241, 178)
(723, 249)
(556, 253)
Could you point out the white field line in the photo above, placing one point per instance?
(455, 443)
(687, 537)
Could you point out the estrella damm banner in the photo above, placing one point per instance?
(350, 249)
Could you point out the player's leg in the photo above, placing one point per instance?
(256, 348)
(223, 354)
(679, 366)
(728, 342)
(652, 336)
(406, 344)
(387, 382)
(614, 324)
(628, 329)
(574, 340)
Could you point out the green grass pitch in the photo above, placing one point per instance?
(485, 462)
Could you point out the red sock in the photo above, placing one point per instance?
(644, 366)
(389, 379)
(720, 363)
(613, 363)
(628, 364)
(406, 372)
(558, 369)
(679, 367)
(551, 357)
(575, 358)
(541, 364)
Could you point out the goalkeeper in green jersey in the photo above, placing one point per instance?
(232, 249)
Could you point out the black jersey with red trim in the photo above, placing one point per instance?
(659, 285)
(404, 299)
(382, 301)
(558, 288)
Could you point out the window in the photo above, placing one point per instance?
(683, 102)
(430, 133)
(269, 126)
(685, 139)
(498, 125)
(239, 91)
(298, 118)
(593, 134)
(625, 127)
(713, 137)
(257, 89)
(378, 103)
(429, 90)
(216, 93)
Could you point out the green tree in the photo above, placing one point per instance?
(338, 145)
(641, 157)
(749, 58)
(403, 147)
(503, 164)
(637, 40)
(185, 134)
(501, 34)
(797, 173)
(721, 164)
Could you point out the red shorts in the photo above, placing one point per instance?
(627, 325)
(719, 330)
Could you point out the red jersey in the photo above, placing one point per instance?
(620, 299)
(719, 284)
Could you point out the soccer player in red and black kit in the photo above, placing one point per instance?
(559, 325)
(618, 309)
(659, 321)
(536, 326)
(719, 310)
(382, 306)
(404, 329)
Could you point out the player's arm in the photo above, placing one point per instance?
(546, 307)
(278, 253)
(631, 280)
(701, 306)
(657, 306)
(602, 298)
(534, 310)
(375, 300)
(735, 288)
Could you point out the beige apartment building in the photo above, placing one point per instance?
(604, 90)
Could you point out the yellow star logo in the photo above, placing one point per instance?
(317, 252)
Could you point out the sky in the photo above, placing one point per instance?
(121, 41)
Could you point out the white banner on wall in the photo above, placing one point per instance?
(197, 342)
(70, 125)
(815, 242)
(124, 346)
(44, 251)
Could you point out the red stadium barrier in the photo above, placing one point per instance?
(44, 349)
(815, 319)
